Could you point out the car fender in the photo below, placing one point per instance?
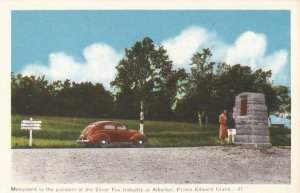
(96, 137)
(136, 136)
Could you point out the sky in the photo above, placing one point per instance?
(87, 45)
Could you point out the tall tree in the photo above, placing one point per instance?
(145, 73)
(201, 83)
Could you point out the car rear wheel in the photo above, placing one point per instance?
(103, 142)
(140, 142)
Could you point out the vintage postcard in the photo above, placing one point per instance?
(147, 96)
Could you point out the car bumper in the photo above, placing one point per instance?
(83, 141)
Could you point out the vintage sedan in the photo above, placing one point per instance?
(103, 133)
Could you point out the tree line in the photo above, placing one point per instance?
(145, 75)
(33, 95)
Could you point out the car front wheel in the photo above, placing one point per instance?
(103, 142)
(140, 142)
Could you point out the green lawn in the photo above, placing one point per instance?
(62, 132)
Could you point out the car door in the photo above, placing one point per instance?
(123, 133)
(110, 129)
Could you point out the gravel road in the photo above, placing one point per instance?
(213, 165)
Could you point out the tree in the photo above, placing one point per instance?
(29, 94)
(145, 74)
(36, 96)
(84, 99)
(170, 85)
(212, 88)
(237, 78)
(279, 102)
(126, 104)
(201, 83)
(232, 80)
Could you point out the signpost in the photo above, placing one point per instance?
(30, 125)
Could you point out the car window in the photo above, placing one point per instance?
(109, 126)
(121, 127)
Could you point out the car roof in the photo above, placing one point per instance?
(106, 122)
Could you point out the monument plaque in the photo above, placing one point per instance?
(251, 117)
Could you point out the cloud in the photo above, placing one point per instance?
(248, 49)
(99, 66)
(100, 59)
(276, 61)
(191, 40)
(182, 47)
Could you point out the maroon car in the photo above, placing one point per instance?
(103, 133)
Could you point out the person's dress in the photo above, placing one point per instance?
(223, 134)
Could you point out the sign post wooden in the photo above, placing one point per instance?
(30, 125)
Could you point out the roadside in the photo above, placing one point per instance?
(62, 132)
(214, 165)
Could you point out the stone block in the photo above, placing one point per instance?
(258, 117)
(260, 123)
(260, 113)
(260, 127)
(258, 108)
(263, 132)
(244, 127)
(260, 139)
(247, 131)
(243, 139)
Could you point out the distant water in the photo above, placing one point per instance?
(279, 120)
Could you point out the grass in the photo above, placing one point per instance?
(61, 132)
(280, 136)
(22, 142)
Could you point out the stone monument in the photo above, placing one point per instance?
(251, 118)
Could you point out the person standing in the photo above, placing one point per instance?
(223, 133)
(231, 127)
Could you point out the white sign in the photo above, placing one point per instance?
(31, 125)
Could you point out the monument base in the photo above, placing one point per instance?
(254, 145)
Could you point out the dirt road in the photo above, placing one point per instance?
(213, 165)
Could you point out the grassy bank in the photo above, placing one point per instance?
(62, 132)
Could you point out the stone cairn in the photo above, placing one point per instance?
(251, 118)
